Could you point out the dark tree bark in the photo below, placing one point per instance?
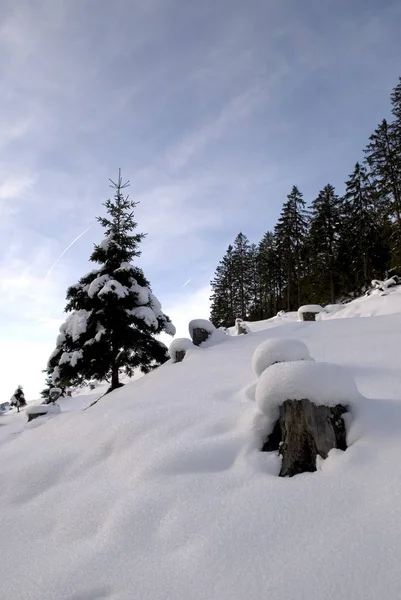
(179, 356)
(308, 316)
(304, 431)
(199, 335)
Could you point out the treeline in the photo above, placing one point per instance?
(325, 251)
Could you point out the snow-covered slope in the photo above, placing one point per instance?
(159, 491)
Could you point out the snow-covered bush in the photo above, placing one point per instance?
(320, 383)
(180, 345)
(308, 309)
(277, 350)
(241, 327)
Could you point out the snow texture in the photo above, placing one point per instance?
(276, 350)
(112, 286)
(97, 285)
(146, 314)
(180, 345)
(321, 383)
(241, 327)
(75, 324)
(160, 491)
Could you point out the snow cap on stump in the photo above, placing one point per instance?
(277, 350)
(308, 312)
(178, 349)
(200, 330)
(320, 383)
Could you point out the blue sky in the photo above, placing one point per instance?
(213, 109)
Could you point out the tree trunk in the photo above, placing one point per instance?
(115, 382)
(304, 431)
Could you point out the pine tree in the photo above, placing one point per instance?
(362, 235)
(222, 298)
(324, 227)
(384, 160)
(113, 315)
(242, 276)
(291, 231)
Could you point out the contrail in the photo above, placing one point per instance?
(186, 283)
(63, 252)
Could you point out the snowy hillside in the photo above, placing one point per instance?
(159, 491)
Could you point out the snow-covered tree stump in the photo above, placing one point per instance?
(178, 349)
(241, 327)
(304, 403)
(179, 356)
(199, 335)
(41, 410)
(200, 330)
(309, 312)
(33, 416)
(303, 431)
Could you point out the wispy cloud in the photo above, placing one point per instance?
(238, 108)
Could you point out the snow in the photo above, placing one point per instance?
(241, 327)
(309, 308)
(97, 285)
(75, 324)
(180, 345)
(36, 409)
(146, 314)
(142, 292)
(275, 350)
(321, 383)
(112, 286)
(201, 324)
(370, 306)
(159, 489)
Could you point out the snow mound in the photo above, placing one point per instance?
(241, 327)
(309, 308)
(321, 383)
(180, 345)
(277, 350)
(333, 308)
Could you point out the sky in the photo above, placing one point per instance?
(213, 110)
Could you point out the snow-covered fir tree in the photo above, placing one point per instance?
(113, 314)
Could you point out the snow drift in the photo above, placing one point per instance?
(159, 490)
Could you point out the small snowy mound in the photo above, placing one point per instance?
(180, 345)
(309, 308)
(38, 409)
(278, 350)
(332, 308)
(321, 383)
(241, 327)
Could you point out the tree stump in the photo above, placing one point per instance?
(199, 335)
(304, 431)
(309, 316)
(33, 416)
(179, 356)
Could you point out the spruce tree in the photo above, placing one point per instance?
(324, 228)
(113, 315)
(291, 231)
(242, 276)
(384, 160)
(222, 298)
